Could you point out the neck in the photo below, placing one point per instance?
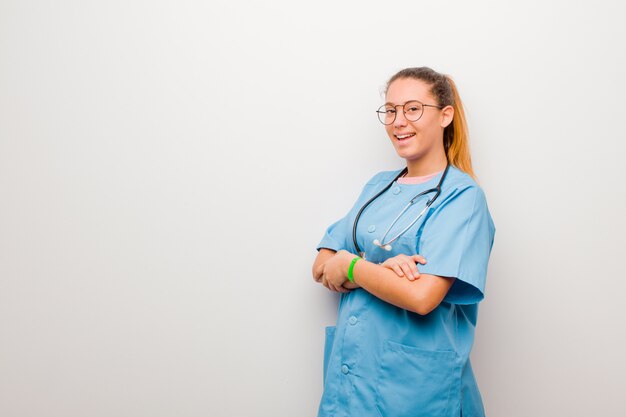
(418, 168)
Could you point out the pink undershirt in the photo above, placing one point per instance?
(417, 180)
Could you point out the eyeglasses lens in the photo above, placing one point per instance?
(412, 111)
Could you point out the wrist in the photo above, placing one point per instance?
(345, 258)
(353, 261)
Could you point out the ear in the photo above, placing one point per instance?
(447, 115)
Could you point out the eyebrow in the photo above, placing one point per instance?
(413, 99)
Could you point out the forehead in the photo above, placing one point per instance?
(405, 89)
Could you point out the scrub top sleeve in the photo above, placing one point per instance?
(335, 236)
(457, 241)
(338, 235)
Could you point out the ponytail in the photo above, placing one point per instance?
(456, 135)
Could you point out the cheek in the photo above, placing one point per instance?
(424, 127)
(431, 122)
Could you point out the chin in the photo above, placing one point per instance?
(408, 154)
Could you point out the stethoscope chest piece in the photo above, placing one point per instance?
(387, 247)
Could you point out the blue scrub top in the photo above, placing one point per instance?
(383, 361)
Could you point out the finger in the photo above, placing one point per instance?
(414, 271)
(346, 289)
(393, 265)
(318, 273)
(325, 282)
(407, 271)
(419, 258)
(340, 288)
(396, 268)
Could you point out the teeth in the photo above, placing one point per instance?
(405, 136)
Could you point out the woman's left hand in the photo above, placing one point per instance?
(405, 265)
(336, 271)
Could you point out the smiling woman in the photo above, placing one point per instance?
(403, 336)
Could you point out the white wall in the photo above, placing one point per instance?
(167, 168)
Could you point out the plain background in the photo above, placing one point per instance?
(168, 167)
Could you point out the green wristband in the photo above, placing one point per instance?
(351, 269)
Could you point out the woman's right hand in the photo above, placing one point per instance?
(318, 268)
(405, 265)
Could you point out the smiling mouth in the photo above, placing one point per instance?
(404, 137)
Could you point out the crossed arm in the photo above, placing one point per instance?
(420, 294)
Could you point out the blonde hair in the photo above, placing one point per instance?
(456, 134)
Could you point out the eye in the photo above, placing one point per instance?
(390, 111)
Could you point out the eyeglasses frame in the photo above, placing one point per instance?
(403, 111)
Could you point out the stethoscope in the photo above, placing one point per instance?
(387, 245)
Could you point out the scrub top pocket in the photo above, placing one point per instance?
(328, 347)
(415, 382)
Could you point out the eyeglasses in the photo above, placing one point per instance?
(413, 110)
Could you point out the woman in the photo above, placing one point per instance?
(403, 335)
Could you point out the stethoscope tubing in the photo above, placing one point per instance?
(437, 190)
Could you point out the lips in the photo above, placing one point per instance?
(404, 136)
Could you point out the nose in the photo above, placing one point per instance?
(400, 119)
